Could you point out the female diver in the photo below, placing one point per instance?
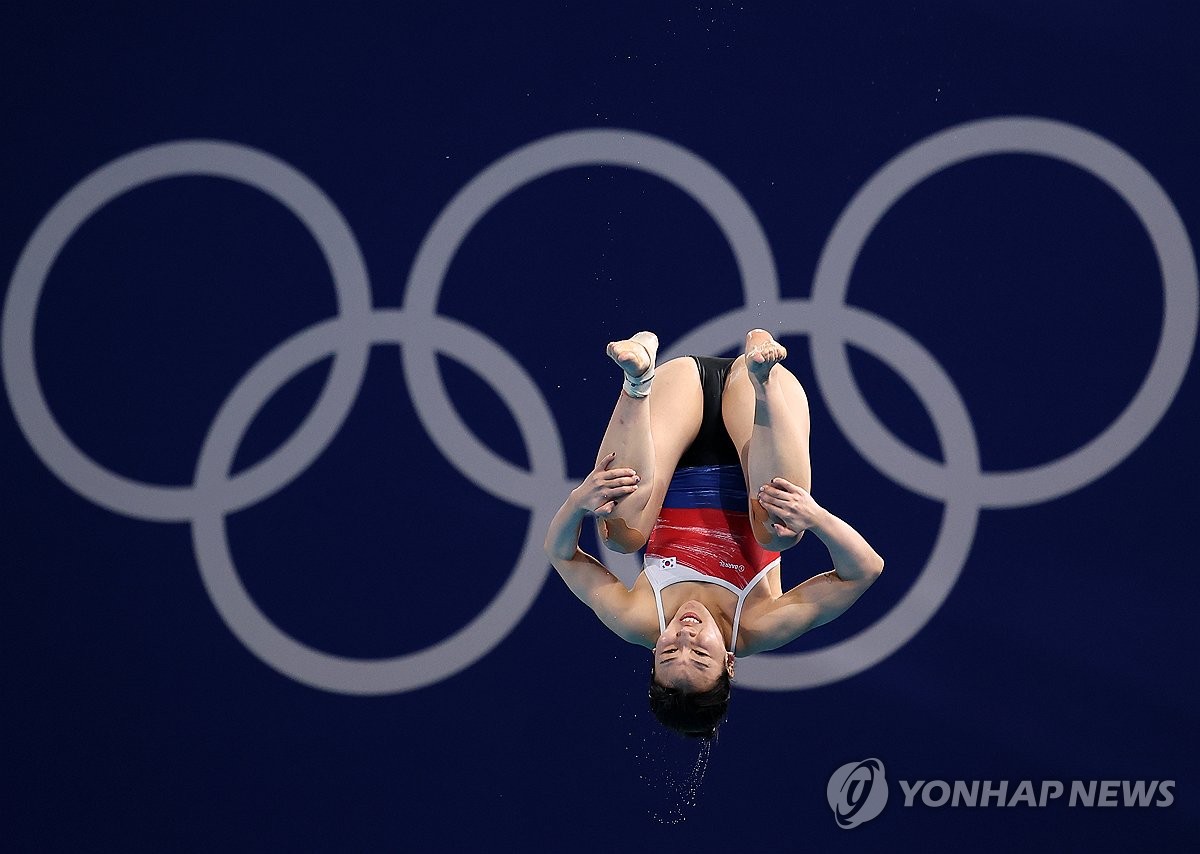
(711, 475)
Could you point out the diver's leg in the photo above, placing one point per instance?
(648, 434)
(766, 413)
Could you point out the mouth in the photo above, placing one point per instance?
(690, 619)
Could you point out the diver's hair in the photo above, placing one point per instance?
(695, 715)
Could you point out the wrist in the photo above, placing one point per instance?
(575, 504)
(821, 521)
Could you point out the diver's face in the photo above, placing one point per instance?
(690, 654)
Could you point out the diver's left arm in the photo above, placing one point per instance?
(823, 597)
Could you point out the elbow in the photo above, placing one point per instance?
(875, 566)
(781, 544)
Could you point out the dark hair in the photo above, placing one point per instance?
(695, 715)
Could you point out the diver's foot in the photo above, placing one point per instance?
(635, 356)
(762, 353)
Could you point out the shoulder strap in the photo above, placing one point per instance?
(737, 612)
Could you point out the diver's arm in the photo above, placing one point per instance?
(823, 597)
(587, 577)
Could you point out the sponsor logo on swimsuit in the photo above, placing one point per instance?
(729, 565)
(858, 791)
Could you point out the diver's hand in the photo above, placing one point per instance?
(604, 487)
(791, 509)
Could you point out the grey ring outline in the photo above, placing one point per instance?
(588, 147)
(777, 671)
(233, 602)
(1011, 135)
(209, 158)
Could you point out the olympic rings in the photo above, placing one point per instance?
(826, 318)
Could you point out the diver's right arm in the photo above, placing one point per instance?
(588, 578)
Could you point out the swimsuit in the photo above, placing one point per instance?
(703, 531)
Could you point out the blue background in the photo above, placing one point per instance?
(136, 721)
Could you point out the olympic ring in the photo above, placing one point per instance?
(224, 160)
(237, 609)
(787, 671)
(579, 148)
(1013, 136)
(828, 321)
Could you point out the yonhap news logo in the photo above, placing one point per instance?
(858, 791)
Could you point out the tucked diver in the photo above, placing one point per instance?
(712, 476)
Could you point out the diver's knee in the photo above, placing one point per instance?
(621, 548)
(624, 545)
(619, 537)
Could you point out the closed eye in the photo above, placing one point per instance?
(699, 661)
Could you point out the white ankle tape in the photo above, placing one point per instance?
(639, 386)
